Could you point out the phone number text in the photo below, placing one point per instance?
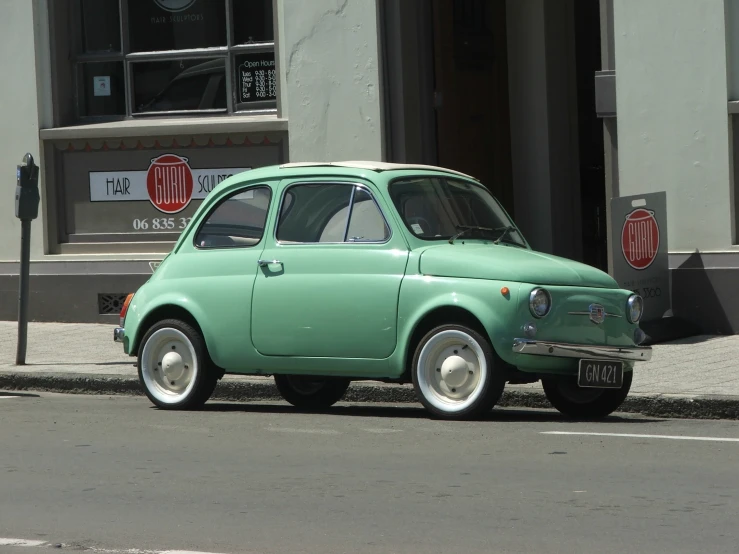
(160, 223)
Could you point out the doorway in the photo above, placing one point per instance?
(448, 102)
(471, 92)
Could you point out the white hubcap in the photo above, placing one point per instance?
(169, 365)
(452, 371)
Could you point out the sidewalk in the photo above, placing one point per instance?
(696, 378)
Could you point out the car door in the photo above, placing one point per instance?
(219, 265)
(330, 275)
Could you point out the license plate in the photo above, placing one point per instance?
(601, 374)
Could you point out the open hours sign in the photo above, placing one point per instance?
(640, 263)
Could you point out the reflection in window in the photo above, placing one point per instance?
(156, 25)
(237, 221)
(319, 213)
(179, 85)
(253, 21)
(366, 223)
(101, 26)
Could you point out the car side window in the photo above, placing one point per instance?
(237, 221)
(330, 213)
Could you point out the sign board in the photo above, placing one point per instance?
(640, 262)
(257, 80)
(101, 86)
(169, 183)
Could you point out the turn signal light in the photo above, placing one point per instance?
(124, 309)
(505, 291)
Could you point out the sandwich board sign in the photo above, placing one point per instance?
(640, 262)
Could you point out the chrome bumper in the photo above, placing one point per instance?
(118, 334)
(563, 350)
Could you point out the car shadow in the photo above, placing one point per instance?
(532, 415)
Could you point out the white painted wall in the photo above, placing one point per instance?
(19, 118)
(332, 76)
(673, 131)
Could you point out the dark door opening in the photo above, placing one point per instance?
(471, 92)
(592, 170)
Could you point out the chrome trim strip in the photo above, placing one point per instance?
(588, 313)
(118, 334)
(566, 350)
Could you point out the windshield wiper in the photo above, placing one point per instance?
(466, 228)
(506, 230)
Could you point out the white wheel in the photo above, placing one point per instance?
(453, 372)
(172, 366)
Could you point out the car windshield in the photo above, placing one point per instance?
(446, 209)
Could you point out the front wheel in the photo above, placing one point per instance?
(311, 393)
(456, 373)
(174, 367)
(585, 403)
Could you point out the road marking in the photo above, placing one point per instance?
(3, 397)
(46, 544)
(309, 431)
(382, 431)
(637, 436)
(20, 542)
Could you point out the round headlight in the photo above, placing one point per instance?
(634, 308)
(540, 302)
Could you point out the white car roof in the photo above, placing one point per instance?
(376, 166)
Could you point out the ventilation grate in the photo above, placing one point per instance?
(110, 303)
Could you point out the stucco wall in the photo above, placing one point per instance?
(673, 135)
(19, 118)
(331, 54)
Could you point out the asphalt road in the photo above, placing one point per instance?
(114, 475)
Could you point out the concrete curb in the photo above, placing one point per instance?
(244, 390)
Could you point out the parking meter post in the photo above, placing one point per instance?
(26, 209)
(20, 357)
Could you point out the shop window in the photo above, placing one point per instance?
(134, 58)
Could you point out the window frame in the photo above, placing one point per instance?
(228, 53)
(352, 184)
(222, 201)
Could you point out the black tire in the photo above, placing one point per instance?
(205, 377)
(490, 387)
(311, 393)
(562, 394)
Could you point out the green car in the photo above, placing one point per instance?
(320, 274)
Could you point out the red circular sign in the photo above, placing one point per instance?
(640, 238)
(169, 183)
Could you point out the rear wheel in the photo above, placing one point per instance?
(456, 373)
(311, 393)
(174, 367)
(585, 403)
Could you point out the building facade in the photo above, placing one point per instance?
(135, 109)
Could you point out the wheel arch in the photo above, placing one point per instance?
(446, 313)
(172, 309)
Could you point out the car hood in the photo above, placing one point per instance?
(509, 263)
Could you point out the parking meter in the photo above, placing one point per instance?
(26, 209)
(26, 190)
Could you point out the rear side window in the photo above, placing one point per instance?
(237, 221)
(331, 213)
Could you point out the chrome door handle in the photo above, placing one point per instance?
(264, 263)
